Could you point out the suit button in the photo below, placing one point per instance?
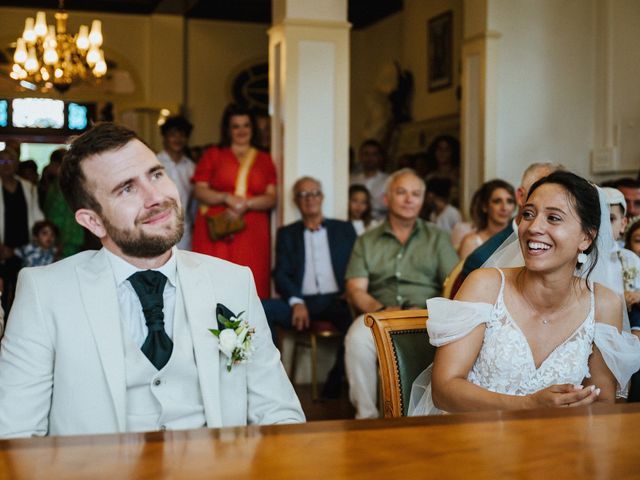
(157, 382)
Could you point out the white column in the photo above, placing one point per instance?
(309, 100)
(479, 101)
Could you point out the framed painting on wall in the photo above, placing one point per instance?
(440, 51)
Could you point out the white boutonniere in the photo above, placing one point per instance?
(235, 336)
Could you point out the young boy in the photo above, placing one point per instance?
(42, 250)
(629, 260)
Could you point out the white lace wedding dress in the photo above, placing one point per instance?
(505, 363)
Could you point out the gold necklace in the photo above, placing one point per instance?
(520, 288)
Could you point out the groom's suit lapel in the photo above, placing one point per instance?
(100, 301)
(200, 304)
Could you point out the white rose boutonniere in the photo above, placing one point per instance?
(234, 336)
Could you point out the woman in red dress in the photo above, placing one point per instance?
(238, 179)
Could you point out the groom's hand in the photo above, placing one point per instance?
(300, 317)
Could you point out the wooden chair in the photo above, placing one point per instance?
(450, 285)
(404, 351)
(309, 339)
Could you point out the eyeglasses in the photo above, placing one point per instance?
(309, 194)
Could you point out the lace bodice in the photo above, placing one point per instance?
(505, 363)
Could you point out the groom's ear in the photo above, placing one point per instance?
(90, 220)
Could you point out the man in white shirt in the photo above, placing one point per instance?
(175, 137)
(371, 158)
(121, 339)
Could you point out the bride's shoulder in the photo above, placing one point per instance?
(481, 285)
(608, 306)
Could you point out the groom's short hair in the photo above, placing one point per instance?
(102, 137)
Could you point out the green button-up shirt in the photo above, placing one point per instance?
(408, 274)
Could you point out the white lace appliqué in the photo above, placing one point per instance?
(506, 365)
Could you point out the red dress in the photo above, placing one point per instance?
(250, 247)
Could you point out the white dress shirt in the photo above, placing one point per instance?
(181, 173)
(447, 218)
(131, 315)
(319, 277)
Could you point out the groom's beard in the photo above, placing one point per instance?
(138, 244)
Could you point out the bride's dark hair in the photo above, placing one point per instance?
(583, 197)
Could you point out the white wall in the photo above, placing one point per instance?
(566, 82)
(622, 127)
(545, 84)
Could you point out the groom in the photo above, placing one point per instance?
(119, 339)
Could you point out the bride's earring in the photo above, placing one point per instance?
(582, 257)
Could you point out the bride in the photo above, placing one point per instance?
(538, 335)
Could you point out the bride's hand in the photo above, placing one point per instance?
(565, 395)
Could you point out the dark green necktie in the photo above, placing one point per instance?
(149, 286)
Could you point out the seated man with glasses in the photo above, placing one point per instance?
(311, 259)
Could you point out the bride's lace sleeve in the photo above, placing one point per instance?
(450, 320)
(621, 353)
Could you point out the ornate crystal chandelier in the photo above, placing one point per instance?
(50, 57)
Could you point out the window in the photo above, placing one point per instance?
(37, 113)
(77, 117)
(44, 117)
(4, 113)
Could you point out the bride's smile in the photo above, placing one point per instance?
(550, 231)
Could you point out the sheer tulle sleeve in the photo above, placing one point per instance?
(621, 353)
(450, 320)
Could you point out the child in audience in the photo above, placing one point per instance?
(360, 209)
(42, 250)
(437, 200)
(632, 236)
(629, 260)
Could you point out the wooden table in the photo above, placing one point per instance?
(600, 441)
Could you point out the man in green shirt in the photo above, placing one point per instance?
(397, 265)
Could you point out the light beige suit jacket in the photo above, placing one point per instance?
(62, 368)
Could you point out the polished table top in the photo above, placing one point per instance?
(599, 441)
